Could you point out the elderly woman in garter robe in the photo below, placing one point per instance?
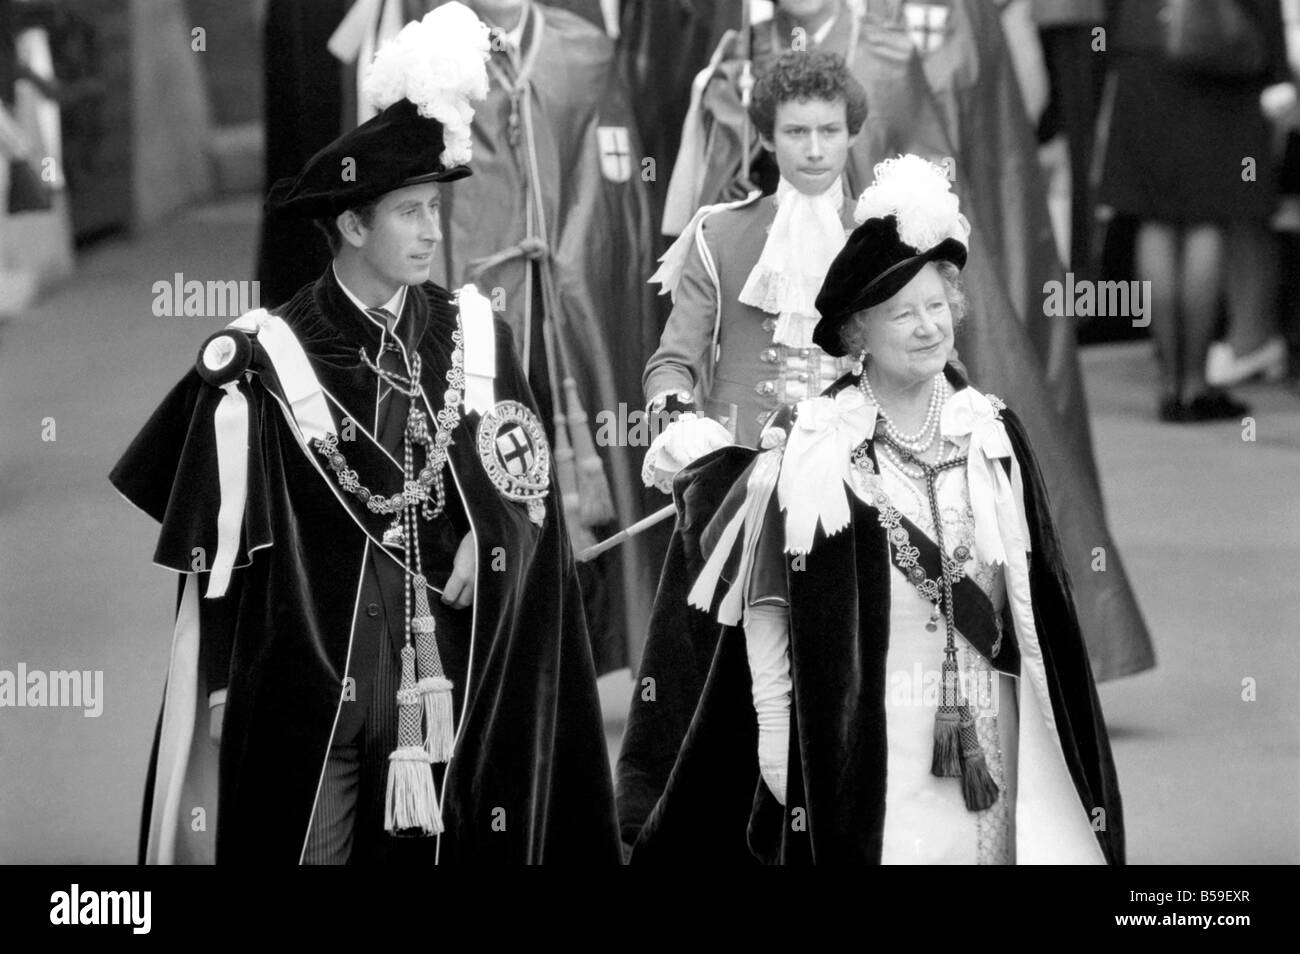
(865, 646)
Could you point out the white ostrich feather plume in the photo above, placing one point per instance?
(438, 63)
(917, 192)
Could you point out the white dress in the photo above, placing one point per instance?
(926, 820)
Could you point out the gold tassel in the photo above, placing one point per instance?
(593, 487)
(563, 466)
(438, 718)
(977, 786)
(566, 476)
(411, 803)
(946, 761)
(434, 686)
(411, 799)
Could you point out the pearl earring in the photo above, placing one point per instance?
(860, 363)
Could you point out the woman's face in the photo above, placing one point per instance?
(909, 337)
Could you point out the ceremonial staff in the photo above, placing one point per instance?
(746, 89)
(659, 516)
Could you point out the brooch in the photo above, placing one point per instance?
(512, 448)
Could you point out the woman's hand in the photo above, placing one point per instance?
(459, 591)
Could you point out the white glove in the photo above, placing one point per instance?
(684, 440)
(766, 641)
(773, 752)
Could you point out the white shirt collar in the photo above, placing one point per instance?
(393, 306)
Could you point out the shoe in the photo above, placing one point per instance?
(1173, 411)
(1215, 405)
(1223, 368)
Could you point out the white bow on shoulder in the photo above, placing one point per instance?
(811, 487)
(997, 501)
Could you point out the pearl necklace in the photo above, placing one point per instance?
(922, 440)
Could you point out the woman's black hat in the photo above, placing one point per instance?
(874, 265)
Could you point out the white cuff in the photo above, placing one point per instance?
(217, 698)
(684, 440)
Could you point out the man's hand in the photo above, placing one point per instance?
(216, 715)
(459, 591)
(684, 440)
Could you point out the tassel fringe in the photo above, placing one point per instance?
(977, 786)
(946, 762)
(594, 497)
(566, 477)
(439, 721)
(411, 802)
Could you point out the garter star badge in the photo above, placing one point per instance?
(512, 448)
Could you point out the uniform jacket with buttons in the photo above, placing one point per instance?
(738, 375)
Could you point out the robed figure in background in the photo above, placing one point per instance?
(554, 229)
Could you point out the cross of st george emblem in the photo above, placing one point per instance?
(512, 448)
(615, 153)
(927, 24)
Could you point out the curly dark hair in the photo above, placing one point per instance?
(802, 76)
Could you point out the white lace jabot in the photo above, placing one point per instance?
(804, 239)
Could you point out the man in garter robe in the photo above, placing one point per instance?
(380, 654)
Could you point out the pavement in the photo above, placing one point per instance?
(1207, 743)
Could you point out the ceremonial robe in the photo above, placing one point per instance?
(689, 787)
(529, 777)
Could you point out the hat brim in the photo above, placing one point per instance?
(882, 288)
(281, 200)
(442, 175)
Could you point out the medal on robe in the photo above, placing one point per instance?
(512, 448)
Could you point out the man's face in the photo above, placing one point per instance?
(811, 141)
(398, 245)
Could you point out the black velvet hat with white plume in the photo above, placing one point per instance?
(907, 218)
(422, 83)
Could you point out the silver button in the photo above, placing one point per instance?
(768, 355)
(765, 387)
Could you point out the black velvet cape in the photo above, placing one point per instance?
(688, 784)
(531, 741)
